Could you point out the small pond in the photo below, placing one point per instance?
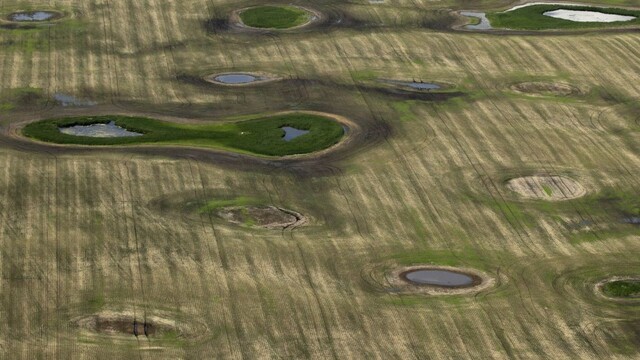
(484, 23)
(417, 85)
(291, 133)
(438, 277)
(32, 16)
(235, 79)
(98, 130)
(586, 16)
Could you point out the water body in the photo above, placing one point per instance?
(98, 130)
(587, 16)
(439, 278)
(291, 133)
(418, 85)
(68, 100)
(235, 79)
(32, 16)
(484, 21)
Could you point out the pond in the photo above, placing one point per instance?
(32, 16)
(98, 130)
(484, 23)
(291, 133)
(236, 79)
(586, 16)
(439, 277)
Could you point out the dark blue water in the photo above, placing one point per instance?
(291, 133)
(438, 277)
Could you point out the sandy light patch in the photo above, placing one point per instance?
(545, 88)
(586, 16)
(546, 187)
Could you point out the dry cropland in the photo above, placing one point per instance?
(516, 171)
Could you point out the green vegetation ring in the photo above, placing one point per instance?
(621, 288)
(269, 135)
(274, 17)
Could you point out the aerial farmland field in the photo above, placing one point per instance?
(372, 179)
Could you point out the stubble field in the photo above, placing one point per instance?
(87, 231)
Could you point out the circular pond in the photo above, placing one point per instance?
(546, 187)
(439, 277)
(33, 16)
(239, 78)
(436, 280)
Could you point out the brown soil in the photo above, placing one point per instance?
(269, 217)
(547, 187)
(546, 88)
(125, 324)
(398, 282)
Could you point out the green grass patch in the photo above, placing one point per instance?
(547, 189)
(261, 136)
(274, 17)
(622, 288)
(532, 18)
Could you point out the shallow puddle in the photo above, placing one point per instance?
(32, 16)
(438, 278)
(586, 16)
(98, 130)
(484, 23)
(417, 85)
(235, 79)
(291, 133)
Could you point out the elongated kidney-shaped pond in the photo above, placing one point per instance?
(32, 16)
(107, 130)
(438, 277)
(235, 79)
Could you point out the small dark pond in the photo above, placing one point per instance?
(631, 220)
(417, 85)
(237, 78)
(98, 130)
(484, 23)
(291, 133)
(32, 16)
(438, 278)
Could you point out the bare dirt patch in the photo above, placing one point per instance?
(268, 217)
(542, 88)
(399, 283)
(126, 324)
(546, 187)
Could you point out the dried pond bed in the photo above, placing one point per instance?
(546, 187)
(268, 217)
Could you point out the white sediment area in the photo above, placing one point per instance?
(587, 16)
